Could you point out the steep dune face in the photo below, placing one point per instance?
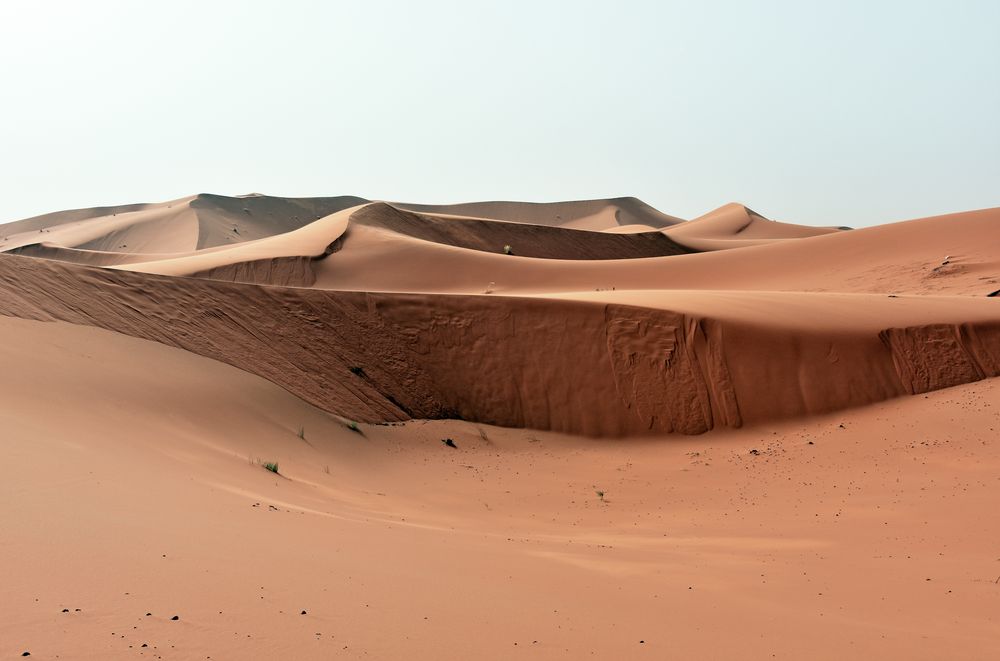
(735, 226)
(188, 224)
(574, 366)
(583, 214)
(526, 240)
(167, 227)
(135, 478)
(615, 369)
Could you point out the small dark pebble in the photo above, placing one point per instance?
(25, 653)
(302, 613)
(450, 443)
(755, 451)
(144, 645)
(642, 642)
(65, 610)
(149, 614)
(176, 617)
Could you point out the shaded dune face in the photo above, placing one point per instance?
(571, 366)
(524, 240)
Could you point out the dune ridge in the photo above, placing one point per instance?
(574, 366)
(381, 312)
(137, 489)
(597, 214)
(734, 225)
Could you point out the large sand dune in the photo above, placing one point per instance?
(532, 325)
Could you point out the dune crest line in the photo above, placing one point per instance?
(571, 366)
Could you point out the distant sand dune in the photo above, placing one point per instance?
(734, 226)
(524, 240)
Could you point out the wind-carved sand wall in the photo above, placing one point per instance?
(669, 373)
(942, 355)
(588, 368)
(282, 271)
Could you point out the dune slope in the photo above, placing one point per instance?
(952, 254)
(578, 214)
(526, 240)
(735, 226)
(862, 534)
(585, 366)
(188, 224)
(793, 433)
(577, 331)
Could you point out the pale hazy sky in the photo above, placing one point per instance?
(841, 112)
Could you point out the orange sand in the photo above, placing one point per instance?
(728, 437)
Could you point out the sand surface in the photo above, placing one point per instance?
(724, 437)
(133, 487)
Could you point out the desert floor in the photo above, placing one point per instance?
(135, 493)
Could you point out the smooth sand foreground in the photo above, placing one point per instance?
(132, 486)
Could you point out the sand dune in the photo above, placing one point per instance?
(188, 224)
(582, 214)
(581, 331)
(861, 535)
(899, 258)
(790, 432)
(261, 260)
(604, 363)
(735, 226)
(525, 240)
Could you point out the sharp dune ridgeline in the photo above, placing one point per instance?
(545, 316)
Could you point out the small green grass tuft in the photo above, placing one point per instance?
(271, 466)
